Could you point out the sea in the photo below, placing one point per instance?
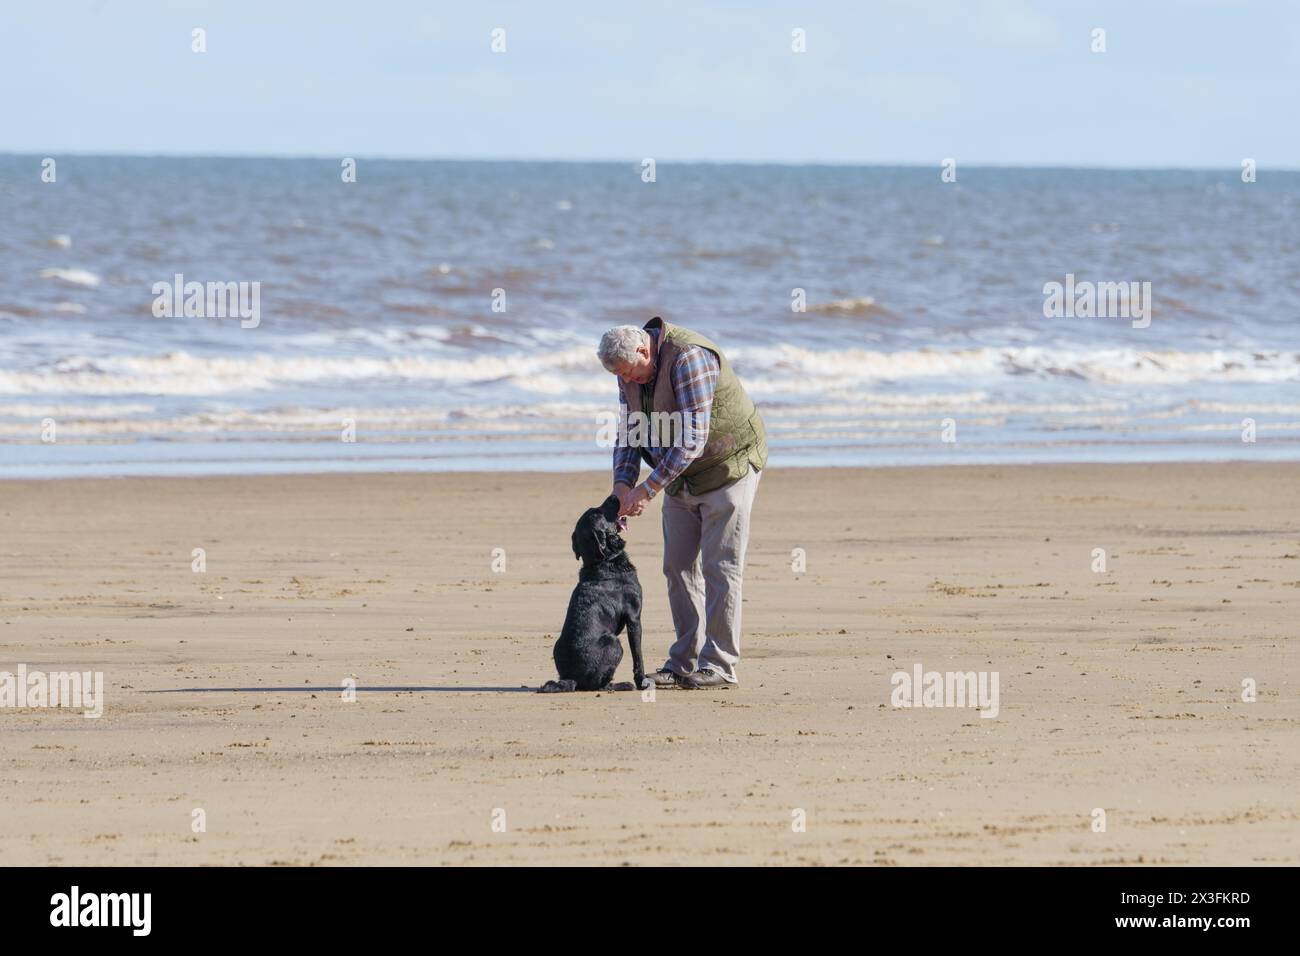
(444, 315)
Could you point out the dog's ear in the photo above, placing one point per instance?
(610, 508)
(574, 540)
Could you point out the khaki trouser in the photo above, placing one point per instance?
(705, 537)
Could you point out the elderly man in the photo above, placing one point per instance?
(709, 471)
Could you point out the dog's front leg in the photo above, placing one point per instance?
(639, 679)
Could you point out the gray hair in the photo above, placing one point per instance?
(618, 346)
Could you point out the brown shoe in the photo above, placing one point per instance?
(702, 680)
(663, 678)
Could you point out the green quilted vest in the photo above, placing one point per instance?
(737, 438)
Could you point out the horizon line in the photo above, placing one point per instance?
(846, 164)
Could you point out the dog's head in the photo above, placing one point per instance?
(596, 536)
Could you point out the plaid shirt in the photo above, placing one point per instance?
(695, 375)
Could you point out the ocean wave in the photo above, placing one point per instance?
(868, 404)
(72, 276)
(120, 420)
(577, 422)
(1246, 408)
(785, 365)
(861, 304)
(60, 410)
(180, 373)
(778, 373)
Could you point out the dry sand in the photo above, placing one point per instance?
(1120, 691)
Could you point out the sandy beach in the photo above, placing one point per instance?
(1120, 690)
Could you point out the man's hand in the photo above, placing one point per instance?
(635, 502)
(621, 491)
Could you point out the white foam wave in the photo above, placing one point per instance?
(557, 421)
(861, 304)
(60, 410)
(72, 276)
(783, 372)
(786, 365)
(180, 373)
(118, 420)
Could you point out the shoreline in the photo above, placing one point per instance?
(1280, 453)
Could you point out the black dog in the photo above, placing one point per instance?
(607, 598)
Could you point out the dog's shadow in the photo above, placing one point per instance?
(399, 688)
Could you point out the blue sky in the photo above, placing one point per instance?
(1196, 83)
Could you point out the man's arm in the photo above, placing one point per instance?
(695, 376)
(627, 458)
